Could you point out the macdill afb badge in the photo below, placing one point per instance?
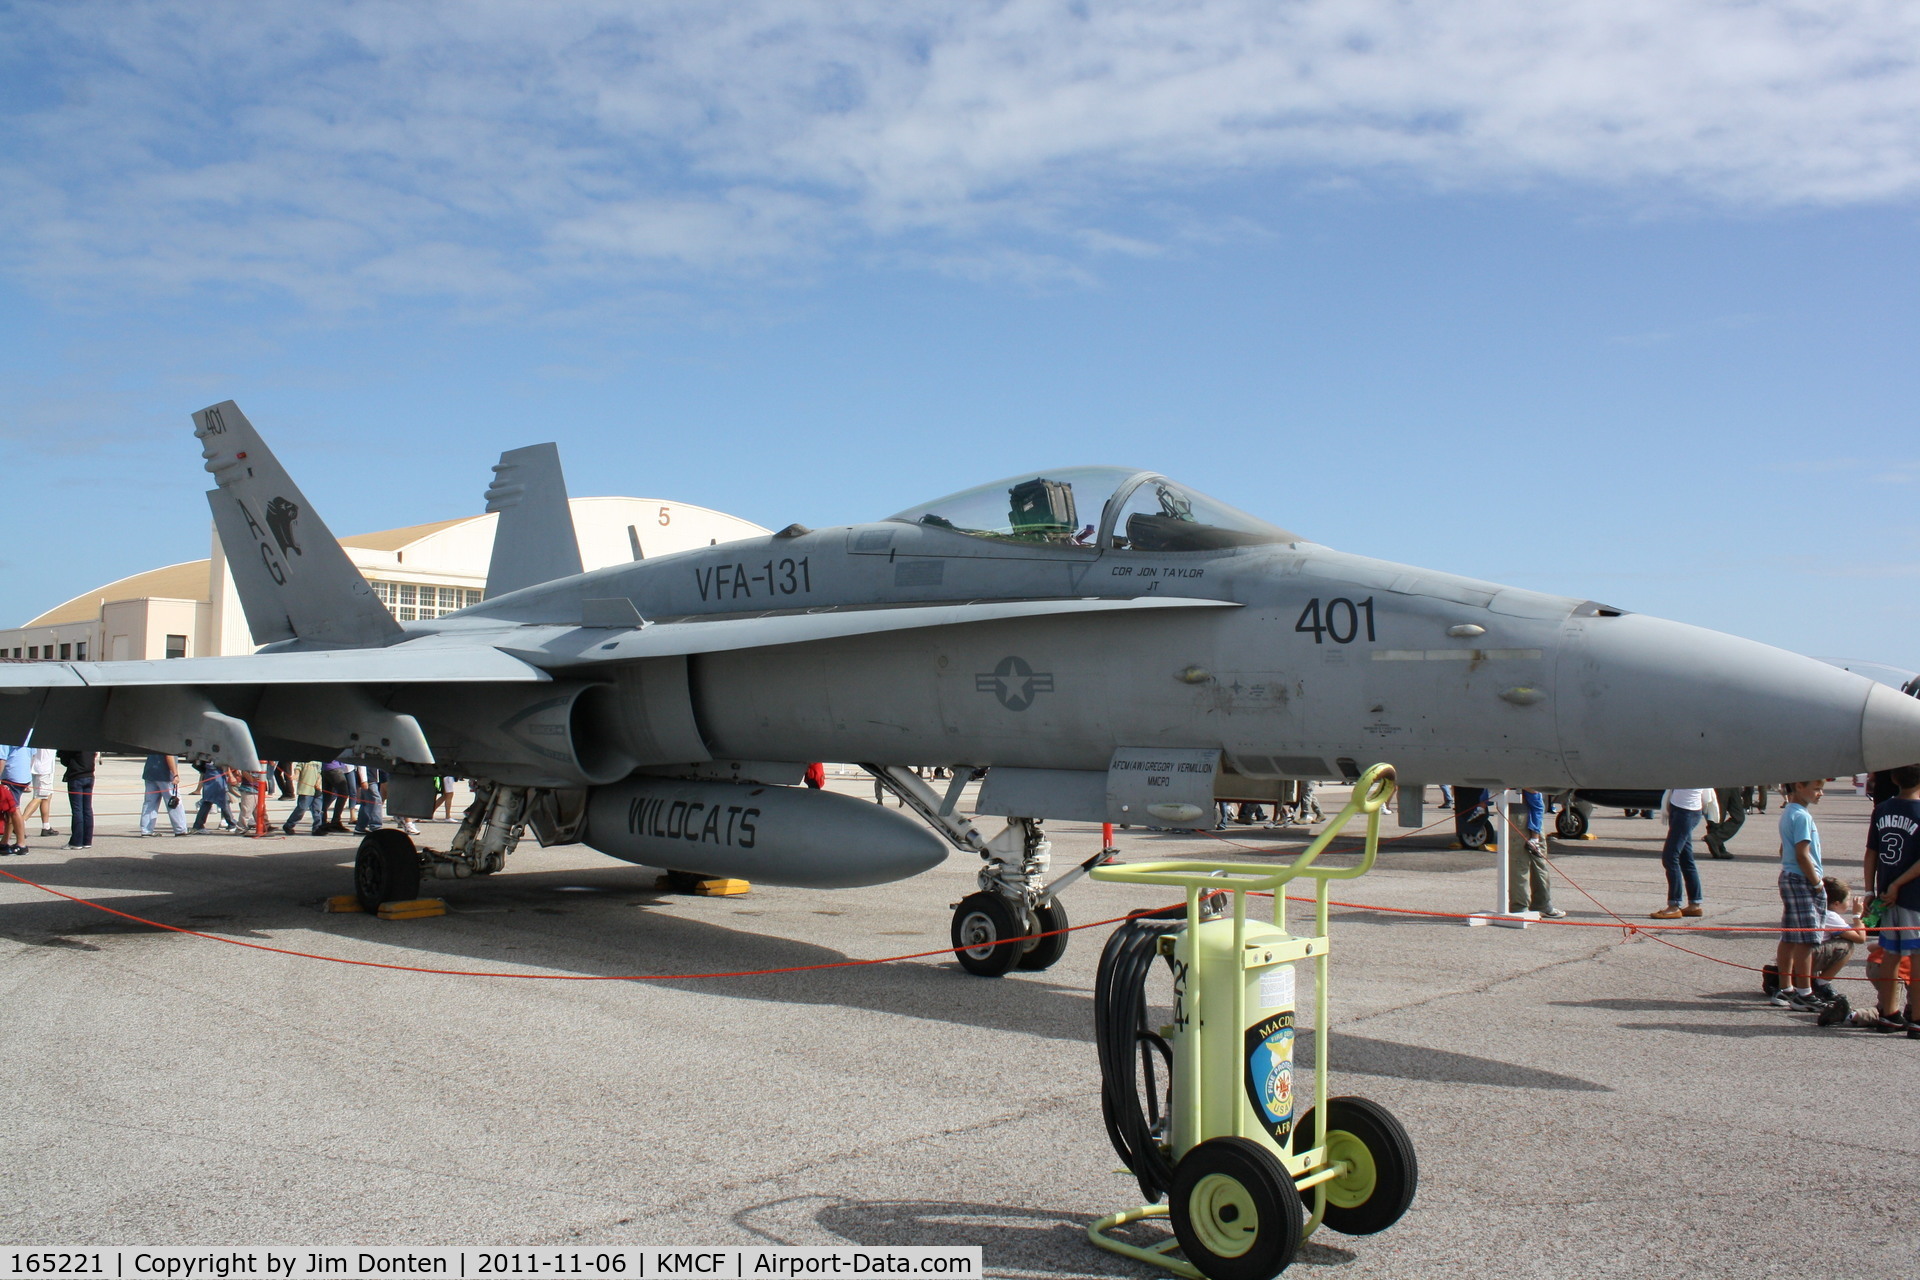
(1270, 1072)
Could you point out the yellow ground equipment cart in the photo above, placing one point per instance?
(1202, 1110)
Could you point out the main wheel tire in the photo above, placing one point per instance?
(1477, 833)
(385, 870)
(1570, 823)
(1380, 1183)
(980, 924)
(1235, 1210)
(1049, 916)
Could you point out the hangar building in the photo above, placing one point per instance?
(421, 571)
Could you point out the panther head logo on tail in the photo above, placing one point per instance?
(280, 517)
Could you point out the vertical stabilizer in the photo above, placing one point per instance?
(533, 541)
(293, 579)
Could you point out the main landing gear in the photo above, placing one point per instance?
(389, 867)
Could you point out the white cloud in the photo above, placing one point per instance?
(341, 152)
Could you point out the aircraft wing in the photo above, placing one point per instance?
(350, 699)
(402, 664)
(210, 706)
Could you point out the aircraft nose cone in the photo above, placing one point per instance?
(1645, 702)
(1890, 729)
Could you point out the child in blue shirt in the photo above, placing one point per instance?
(1802, 897)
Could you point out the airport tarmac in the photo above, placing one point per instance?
(1583, 1103)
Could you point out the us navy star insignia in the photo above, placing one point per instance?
(1014, 683)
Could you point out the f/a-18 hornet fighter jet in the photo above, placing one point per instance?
(1106, 644)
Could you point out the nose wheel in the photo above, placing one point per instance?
(982, 923)
(1050, 918)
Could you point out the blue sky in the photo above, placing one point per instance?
(1615, 299)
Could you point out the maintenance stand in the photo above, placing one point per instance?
(1220, 1141)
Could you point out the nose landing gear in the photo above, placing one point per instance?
(983, 921)
(993, 928)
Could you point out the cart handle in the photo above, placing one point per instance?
(1371, 792)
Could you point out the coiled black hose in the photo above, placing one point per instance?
(1132, 1052)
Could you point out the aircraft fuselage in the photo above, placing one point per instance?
(1325, 661)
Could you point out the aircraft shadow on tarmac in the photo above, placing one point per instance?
(1730, 1031)
(578, 920)
(1707, 1002)
(1639, 1004)
(249, 887)
(1014, 1240)
(1358, 1055)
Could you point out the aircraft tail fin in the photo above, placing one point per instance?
(294, 580)
(534, 541)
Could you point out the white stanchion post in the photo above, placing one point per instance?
(1500, 817)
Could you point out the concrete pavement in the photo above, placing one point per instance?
(1583, 1103)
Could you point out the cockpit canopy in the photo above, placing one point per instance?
(1109, 507)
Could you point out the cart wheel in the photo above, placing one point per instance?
(1570, 824)
(1235, 1210)
(1045, 953)
(1478, 833)
(979, 923)
(386, 869)
(1379, 1183)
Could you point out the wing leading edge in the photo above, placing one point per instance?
(595, 646)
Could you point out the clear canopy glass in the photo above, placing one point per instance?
(1096, 507)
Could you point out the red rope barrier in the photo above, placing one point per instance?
(1628, 928)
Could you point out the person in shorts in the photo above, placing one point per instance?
(40, 790)
(9, 819)
(1803, 902)
(1841, 935)
(17, 775)
(1893, 859)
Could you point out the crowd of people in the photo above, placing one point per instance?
(1822, 922)
(325, 795)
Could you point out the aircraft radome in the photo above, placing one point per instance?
(1107, 644)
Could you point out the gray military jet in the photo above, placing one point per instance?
(1106, 644)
